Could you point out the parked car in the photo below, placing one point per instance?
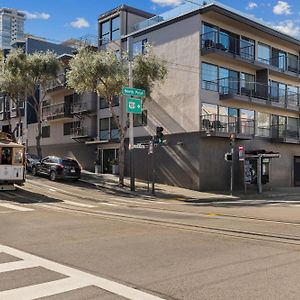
(31, 159)
(57, 168)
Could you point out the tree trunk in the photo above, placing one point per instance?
(122, 158)
(38, 140)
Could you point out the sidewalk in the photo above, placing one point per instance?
(167, 192)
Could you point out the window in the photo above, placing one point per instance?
(139, 47)
(105, 32)
(228, 81)
(247, 84)
(293, 63)
(103, 103)
(264, 53)
(70, 127)
(45, 132)
(209, 77)
(209, 36)
(278, 59)
(110, 30)
(19, 131)
(246, 121)
(278, 92)
(108, 129)
(292, 127)
(292, 95)
(228, 42)
(278, 126)
(115, 28)
(247, 48)
(140, 119)
(2, 101)
(209, 109)
(263, 124)
(18, 156)
(6, 156)
(104, 129)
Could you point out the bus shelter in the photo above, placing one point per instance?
(257, 167)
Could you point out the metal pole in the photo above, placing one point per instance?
(232, 171)
(259, 183)
(153, 168)
(131, 136)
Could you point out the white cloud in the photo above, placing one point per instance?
(36, 15)
(288, 27)
(251, 5)
(167, 2)
(80, 23)
(282, 8)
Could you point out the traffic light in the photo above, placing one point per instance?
(159, 135)
(232, 140)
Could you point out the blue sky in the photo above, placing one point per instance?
(59, 20)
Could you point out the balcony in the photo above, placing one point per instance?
(57, 112)
(56, 84)
(222, 44)
(258, 93)
(79, 107)
(17, 113)
(223, 125)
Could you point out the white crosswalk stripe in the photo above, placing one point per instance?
(15, 207)
(75, 280)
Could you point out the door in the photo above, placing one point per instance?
(297, 171)
(109, 156)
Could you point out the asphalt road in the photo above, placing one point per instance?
(61, 240)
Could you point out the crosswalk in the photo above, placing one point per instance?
(73, 279)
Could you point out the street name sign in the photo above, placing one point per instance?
(127, 91)
(134, 105)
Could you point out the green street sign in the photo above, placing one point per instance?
(127, 91)
(134, 105)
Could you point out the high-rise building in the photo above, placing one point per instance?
(11, 26)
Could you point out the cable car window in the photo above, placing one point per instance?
(18, 156)
(6, 156)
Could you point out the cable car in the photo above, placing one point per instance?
(12, 163)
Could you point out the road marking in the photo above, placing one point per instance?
(76, 279)
(108, 204)
(52, 190)
(16, 265)
(15, 207)
(78, 204)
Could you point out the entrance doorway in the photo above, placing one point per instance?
(297, 171)
(109, 158)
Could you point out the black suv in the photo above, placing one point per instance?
(57, 168)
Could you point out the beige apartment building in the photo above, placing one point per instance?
(227, 73)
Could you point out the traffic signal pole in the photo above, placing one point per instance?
(131, 136)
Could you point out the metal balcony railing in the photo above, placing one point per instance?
(284, 132)
(271, 93)
(79, 107)
(79, 132)
(246, 50)
(54, 84)
(56, 111)
(227, 124)
(227, 43)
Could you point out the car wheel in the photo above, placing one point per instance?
(34, 171)
(53, 175)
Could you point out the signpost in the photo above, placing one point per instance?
(134, 106)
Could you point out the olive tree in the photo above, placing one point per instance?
(29, 75)
(102, 72)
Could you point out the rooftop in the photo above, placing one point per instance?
(200, 6)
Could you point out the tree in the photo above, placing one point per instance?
(32, 72)
(12, 86)
(103, 73)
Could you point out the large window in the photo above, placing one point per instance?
(246, 121)
(140, 119)
(103, 103)
(264, 53)
(139, 47)
(263, 124)
(209, 77)
(278, 92)
(70, 127)
(247, 84)
(108, 129)
(45, 132)
(228, 81)
(278, 59)
(293, 63)
(110, 30)
(292, 95)
(247, 48)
